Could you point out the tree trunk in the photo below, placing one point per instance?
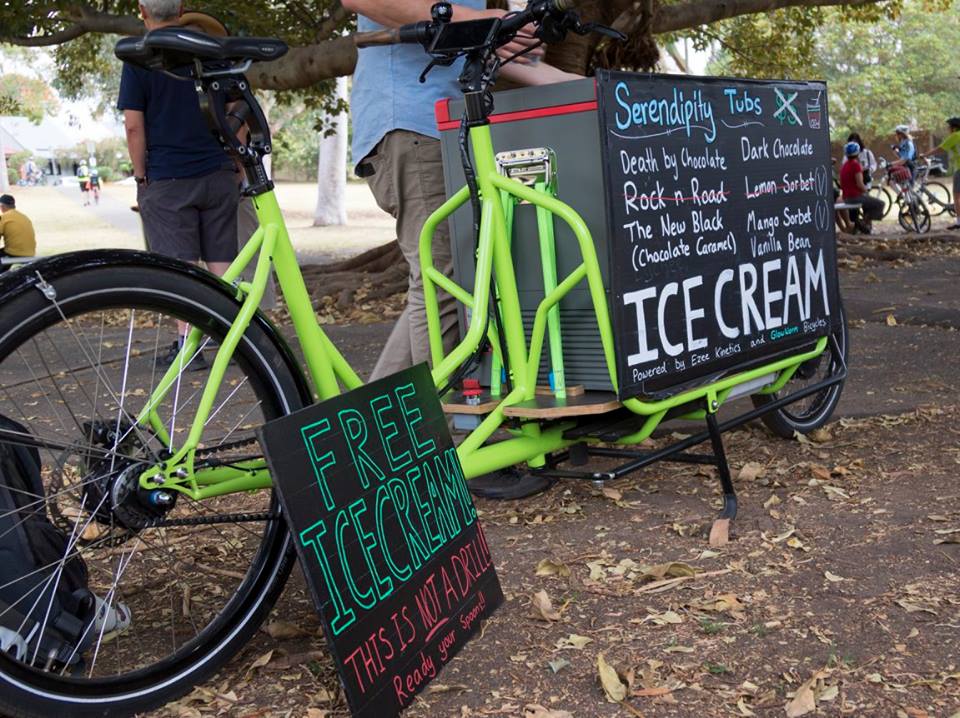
(332, 169)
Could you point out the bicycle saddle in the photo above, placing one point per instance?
(170, 48)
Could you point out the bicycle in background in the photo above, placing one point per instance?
(934, 193)
(913, 213)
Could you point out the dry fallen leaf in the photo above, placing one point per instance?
(259, 663)
(804, 701)
(613, 687)
(573, 641)
(612, 493)
(543, 607)
(674, 569)
(538, 711)
(891, 320)
(720, 533)
(750, 471)
(553, 567)
(282, 630)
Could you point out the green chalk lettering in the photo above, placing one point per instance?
(441, 509)
(383, 497)
(355, 430)
(368, 542)
(320, 462)
(420, 553)
(343, 616)
(366, 599)
(454, 485)
(425, 510)
(412, 416)
(388, 430)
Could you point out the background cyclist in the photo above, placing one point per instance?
(951, 145)
(905, 149)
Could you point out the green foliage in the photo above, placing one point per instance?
(897, 70)
(86, 66)
(296, 148)
(27, 96)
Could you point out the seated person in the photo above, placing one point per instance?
(855, 190)
(16, 230)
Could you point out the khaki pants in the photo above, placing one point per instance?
(407, 182)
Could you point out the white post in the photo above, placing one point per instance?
(4, 179)
(332, 170)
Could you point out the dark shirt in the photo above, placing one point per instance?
(179, 142)
(848, 179)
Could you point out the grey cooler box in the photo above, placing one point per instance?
(563, 118)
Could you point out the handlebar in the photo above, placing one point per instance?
(560, 12)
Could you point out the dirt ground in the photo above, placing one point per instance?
(839, 588)
(838, 595)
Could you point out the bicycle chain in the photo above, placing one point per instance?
(208, 520)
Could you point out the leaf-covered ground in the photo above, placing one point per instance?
(838, 594)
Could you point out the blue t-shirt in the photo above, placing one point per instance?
(387, 94)
(907, 150)
(179, 142)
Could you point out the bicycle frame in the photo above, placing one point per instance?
(531, 442)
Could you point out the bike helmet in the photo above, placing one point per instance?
(954, 122)
(902, 130)
(851, 149)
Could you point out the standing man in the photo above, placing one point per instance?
(396, 147)
(16, 229)
(187, 186)
(951, 145)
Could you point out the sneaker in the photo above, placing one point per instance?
(954, 226)
(198, 363)
(111, 620)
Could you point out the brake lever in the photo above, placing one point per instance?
(436, 62)
(591, 27)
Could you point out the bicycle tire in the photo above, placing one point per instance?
(940, 199)
(73, 300)
(882, 194)
(914, 216)
(814, 411)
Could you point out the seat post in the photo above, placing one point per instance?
(230, 107)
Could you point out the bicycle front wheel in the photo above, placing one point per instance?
(186, 583)
(940, 200)
(914, 216)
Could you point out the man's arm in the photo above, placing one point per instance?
(136, 129)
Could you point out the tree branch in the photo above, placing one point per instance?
(692, 13)
(85, 19)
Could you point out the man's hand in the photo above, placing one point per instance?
(521, 42)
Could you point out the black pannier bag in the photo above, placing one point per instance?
(46, 607)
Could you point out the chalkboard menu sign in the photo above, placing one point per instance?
(720, 220)
(386, 533)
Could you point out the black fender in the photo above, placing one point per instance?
(31, 275)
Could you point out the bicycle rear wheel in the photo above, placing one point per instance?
(940, 200)
(82, 349)
(883, 194)
(814, 411)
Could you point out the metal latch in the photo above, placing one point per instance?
(529, 166)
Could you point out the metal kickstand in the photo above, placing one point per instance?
(720, 531)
